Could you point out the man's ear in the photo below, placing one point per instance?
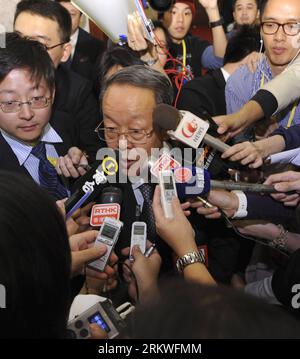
(67, 52)
(258, 14)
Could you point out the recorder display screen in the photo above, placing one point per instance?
(168, 183)
(109, 231)
(139, 230)
(98, 319)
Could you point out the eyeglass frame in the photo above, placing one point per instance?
(279, 26)
(29, 102)
(125, 133)
(47, 48)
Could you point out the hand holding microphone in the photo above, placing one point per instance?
(185, 127)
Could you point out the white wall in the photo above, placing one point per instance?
(7, 11)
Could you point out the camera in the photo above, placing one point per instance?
(103, 314)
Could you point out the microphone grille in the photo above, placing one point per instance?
(165, 117)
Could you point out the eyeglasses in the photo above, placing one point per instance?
(112, 134)
(289, 28)
(47, 48)
(35, 103)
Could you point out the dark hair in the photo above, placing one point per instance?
(243, 41)
(51, 10)
(20, 53)
(143, 77)
(116, 56)
(235, 1)
(192, 311)
(35, 261)
(262, 8)
(159, 25)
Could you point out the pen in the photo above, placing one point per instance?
(206, 203)
(86, 167)
(150, 250)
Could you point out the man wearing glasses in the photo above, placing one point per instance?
(280, 34)
(75, 108)
(28, 143)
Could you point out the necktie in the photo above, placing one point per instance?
(47, 174)
(147, 214)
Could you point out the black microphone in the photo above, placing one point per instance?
(109, 205)
(161, 5)
(89, 186)
(185, 127)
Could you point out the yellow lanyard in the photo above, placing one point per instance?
(292, 114)
(184, 55)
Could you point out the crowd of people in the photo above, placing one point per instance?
(226, 265)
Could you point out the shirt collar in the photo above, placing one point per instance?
(22, 150)
(73, 40)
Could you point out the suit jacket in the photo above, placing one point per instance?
(204, 95)
(9, 161)
(76, 110)
(88, 49)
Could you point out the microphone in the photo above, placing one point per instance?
(161, 5)
(109, 206)
(92, 183)
(192, 182)
(185, 127)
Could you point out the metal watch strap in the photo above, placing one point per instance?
(189, 258)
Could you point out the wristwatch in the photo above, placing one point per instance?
(216, 23)
(189, 258)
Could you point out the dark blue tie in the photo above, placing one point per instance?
(147, 215)
(47, 174)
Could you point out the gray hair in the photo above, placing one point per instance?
(143, 77)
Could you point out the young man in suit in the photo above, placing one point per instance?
(86, 49)
(75, 109)
(28, 143)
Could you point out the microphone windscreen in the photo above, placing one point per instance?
(191, 182)
(165, 117)
(111, 195)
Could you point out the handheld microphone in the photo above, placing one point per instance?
(192, 182)
(161, 5)
(109, 206)
(185, 127)
(92, 183)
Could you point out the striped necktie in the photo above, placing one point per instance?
(47, 174)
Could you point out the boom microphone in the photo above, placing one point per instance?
(192, 182)
(185, 127)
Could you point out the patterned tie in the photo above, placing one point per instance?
(147, 214)
(47, 174)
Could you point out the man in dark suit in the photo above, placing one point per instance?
(28, 143)
(86, 49)
(128, 99)
(75, 110)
